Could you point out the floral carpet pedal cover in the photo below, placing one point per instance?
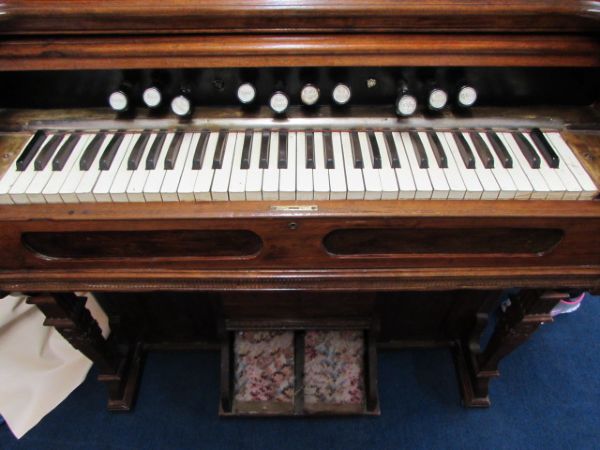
(334, 371)
(264, 372)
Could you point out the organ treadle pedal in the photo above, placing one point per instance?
(277, 164)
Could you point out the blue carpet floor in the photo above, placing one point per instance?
(548, 397)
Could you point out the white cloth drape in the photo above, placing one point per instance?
(38, 367)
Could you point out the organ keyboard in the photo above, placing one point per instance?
(120, 166)
(209, 167)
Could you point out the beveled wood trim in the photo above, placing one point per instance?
(157, 16)
(185, 51)
(431, 279)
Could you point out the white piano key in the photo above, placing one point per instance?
(337, 177)
(237, 181)
(10, 177)
(270, 182)
(354, 177)
(304, 176)
(387, 175)
(118, 187)
(589, 190)
(508, 188)
(424, 189)
(18, 189)
(320, 172)
(454, 177)
(406, 182)
(157, 175)
(52, 189)
(473, 188)
(373, 189)
(168, 190)
(441, 189)
(89, 177)
(205, 176)
(135, 188)
(555, 184)
(287, 176)
(221, 178)
(106, 178)
(491, 188)
(185, 189)
(540, 187)
(254, 177)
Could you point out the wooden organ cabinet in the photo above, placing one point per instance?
(388, 168)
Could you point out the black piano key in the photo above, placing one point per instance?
(173, 151)
(264, 149)
(110, 151)
(392, 150)
(465, 151)
(47, 151)
(528, 151)
(328, 143)
(154, 153)
(419, 150)
(138, 150)
(30, 150)
(374, 149)
(500, 150)
(200, 150)
(64, 152)
(438, 149)
(248, 135)
(282, 155)
(310, 150)
(90, 152)
(482, 150)
(356, 153)
(545, 148)
(220, 150)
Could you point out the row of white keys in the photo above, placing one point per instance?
(456, 184)
(18, 189)
(491, 188)
(320, 172)
(287, 175)
(568, 159)
(254, 177)
(205, 175)
(523, 187)
(52, 189)
(424, 188)
(137, 181)
(41, 178)
(406, 183)
(441, 189)
(337, 176)
(304, 175)
(540, 187)
(373, 188)
(168, 190)
(473, 188)
(106, 178)
(354, 176)
(387, 174)
(118, 188)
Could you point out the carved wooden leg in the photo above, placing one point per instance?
(119, 368)
(522, 318)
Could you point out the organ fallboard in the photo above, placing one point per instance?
(390, 167)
